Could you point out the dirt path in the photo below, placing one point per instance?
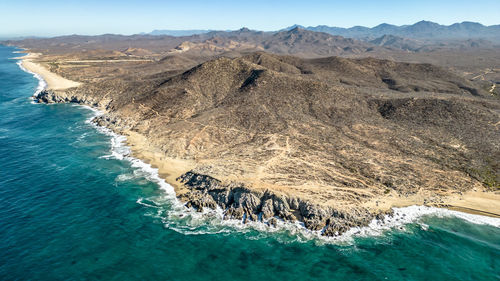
(89, 61)
(493, 88)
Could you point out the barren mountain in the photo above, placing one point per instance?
(420, 30)
(296, 41)
(329, 141)
(398, 42)
(303, 42)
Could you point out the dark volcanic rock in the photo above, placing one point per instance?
(247, 205)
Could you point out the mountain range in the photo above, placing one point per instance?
(177, 32)
(420, 30)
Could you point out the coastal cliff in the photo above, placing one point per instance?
(238, 201)
(266, 137)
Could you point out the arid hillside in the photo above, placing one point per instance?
(297, 124)
(329, 135)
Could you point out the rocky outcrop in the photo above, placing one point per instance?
(241, 203)
(70, 96)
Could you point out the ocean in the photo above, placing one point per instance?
(74, 206)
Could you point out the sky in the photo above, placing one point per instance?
(60, 17)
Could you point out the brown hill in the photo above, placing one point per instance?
(296, 41)
(331, 142)
(303, 42)
(138, 52)
(398, 42)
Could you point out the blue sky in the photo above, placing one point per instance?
(56, 17)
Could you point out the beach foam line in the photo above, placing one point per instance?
(120, 151)
(413, 214)
(42, 84)
(212, 222)
(174, 215)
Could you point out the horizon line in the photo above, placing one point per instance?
(10, 37)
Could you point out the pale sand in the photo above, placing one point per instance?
(169, 169)
(54, 81)
(476, 201)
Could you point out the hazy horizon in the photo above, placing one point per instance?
(202, 29)
(54, 17)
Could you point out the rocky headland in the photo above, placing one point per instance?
(331, 142)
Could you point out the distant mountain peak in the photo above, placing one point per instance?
(421, 30)
(297, 29)
(468, 24)
(177, 32)
(471, 23)
(426, 23)
(293, 27)
(384, 25)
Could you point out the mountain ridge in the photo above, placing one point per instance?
(420, 30)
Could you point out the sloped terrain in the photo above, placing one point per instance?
(318, 140)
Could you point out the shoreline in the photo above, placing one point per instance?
(168, 170)
(54, 81)
(476, 201)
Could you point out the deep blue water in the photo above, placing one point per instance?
(69, 212)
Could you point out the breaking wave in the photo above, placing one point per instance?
(174, 215)
(42, 84)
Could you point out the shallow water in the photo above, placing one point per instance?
(72, 210)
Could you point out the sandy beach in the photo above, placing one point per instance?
(54, 81)
(477, 201)
(168, 168)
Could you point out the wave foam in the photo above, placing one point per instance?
(174, 215)
(413, 214)
(120, 151)
(42, 84)
(190, 222)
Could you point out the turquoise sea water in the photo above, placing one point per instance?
(69, 210)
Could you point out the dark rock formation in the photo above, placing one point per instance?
(244, 204)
